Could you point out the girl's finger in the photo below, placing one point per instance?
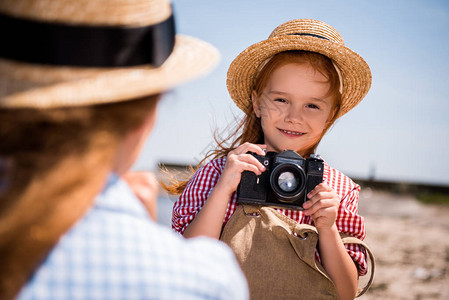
(319, 188)
(323, 213)
(248, 158)
(320, 196)
(249, 147)
(322, 205)
(244, 166)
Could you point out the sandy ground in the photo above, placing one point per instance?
(410, 241)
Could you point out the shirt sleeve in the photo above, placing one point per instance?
(194, 196)
(351, 223)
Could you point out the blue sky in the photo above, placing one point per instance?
(398, 132)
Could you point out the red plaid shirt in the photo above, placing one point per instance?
(348, 221)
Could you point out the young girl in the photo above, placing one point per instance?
(292, 87)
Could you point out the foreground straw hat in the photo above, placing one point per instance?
(84, 52)
(308, 35)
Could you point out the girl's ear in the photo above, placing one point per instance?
(332, 115)
(256, 104)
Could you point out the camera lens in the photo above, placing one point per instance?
(287, 181)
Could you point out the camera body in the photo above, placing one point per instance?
(285, 183)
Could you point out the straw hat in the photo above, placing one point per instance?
(308, 35)
(84, 52)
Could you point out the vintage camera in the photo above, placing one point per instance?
(285, 183)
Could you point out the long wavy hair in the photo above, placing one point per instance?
(52, 164)
(249, 128)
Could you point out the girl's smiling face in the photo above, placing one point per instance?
(295, 108)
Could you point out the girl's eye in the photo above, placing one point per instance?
(280, 100)
(313, 106)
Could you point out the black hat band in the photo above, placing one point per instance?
(85, 46)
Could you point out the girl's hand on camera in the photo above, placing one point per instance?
(239, 160)
(322, 206)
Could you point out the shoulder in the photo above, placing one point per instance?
(216, 164)
(196, 264)
(210, 265)
(209, 254)
(144, 254)
(340, 182)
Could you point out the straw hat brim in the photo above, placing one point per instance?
(190, 58)
(355, 71)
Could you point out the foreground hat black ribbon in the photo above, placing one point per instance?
(85, 46)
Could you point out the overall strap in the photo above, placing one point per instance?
(347, 239)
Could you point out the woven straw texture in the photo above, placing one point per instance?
(90, 12)
(42, 86)
(354, 70)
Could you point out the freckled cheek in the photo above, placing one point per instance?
(316, 117)
(271, 112)
(265, 123)
(319, 125)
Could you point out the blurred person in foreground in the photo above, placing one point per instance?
(79, 86)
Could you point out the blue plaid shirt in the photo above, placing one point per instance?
(116, 252)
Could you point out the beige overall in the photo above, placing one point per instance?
(277, 255)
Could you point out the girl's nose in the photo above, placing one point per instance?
(293, 116)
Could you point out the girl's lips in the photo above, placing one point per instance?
(291, 133)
